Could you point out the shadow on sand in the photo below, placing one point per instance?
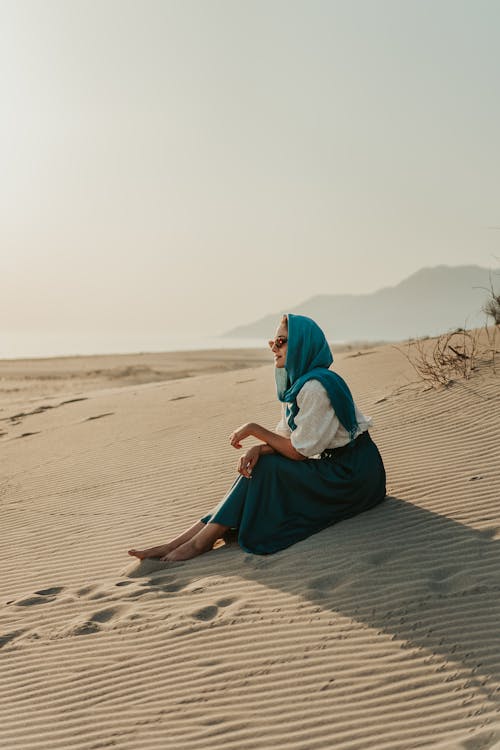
(430, 582)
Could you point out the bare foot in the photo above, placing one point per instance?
(164, 549)
(160, 551)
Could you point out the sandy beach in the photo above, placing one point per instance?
(380, 632)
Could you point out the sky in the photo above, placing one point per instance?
(188, 166)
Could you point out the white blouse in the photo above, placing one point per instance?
(318, 427)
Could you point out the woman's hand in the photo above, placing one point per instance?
(240, 434)
(248, 461)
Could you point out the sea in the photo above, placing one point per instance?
(26, 345)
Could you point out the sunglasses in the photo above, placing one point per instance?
(279, 342)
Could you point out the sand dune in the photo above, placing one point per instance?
(379, 632)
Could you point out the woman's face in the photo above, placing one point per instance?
(279, 352)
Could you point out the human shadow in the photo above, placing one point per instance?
(399, 568)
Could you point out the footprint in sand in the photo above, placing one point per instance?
(42, 596)
(210, 611)
(9, 637)
(105, 615)
(205, 613)
(95, 622)
(85, 628)
(173, 587)
(165, 583)
(52, 591)
(135, 589)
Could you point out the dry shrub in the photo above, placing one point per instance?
(492, 310)
(440, 360)
(445, 358)
(492, 305)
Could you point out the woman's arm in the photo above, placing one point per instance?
(265, 449)
(277, 443)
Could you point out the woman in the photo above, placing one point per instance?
(319, 466)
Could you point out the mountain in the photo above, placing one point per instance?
(428, 302)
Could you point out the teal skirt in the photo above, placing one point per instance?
(285, 500)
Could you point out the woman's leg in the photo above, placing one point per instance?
(164, 549)
(232, 503)
(201, 542)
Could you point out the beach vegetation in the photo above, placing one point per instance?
(491, 309)
(442, 359)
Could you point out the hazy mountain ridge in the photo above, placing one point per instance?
(428, 302)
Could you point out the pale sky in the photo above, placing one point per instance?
(189, 166)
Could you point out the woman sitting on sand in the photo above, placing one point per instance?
(319, 467)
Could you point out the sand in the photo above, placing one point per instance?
(379, 632)
(23, 380)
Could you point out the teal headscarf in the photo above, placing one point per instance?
(308, 357)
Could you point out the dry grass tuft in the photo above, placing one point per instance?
(492, 305)
(453, 355)
(492, 310)
(441, 360)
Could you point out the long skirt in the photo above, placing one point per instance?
(285, 501)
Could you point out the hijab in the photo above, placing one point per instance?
(308, 358)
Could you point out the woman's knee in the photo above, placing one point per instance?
(269, 462)
(269, 459)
